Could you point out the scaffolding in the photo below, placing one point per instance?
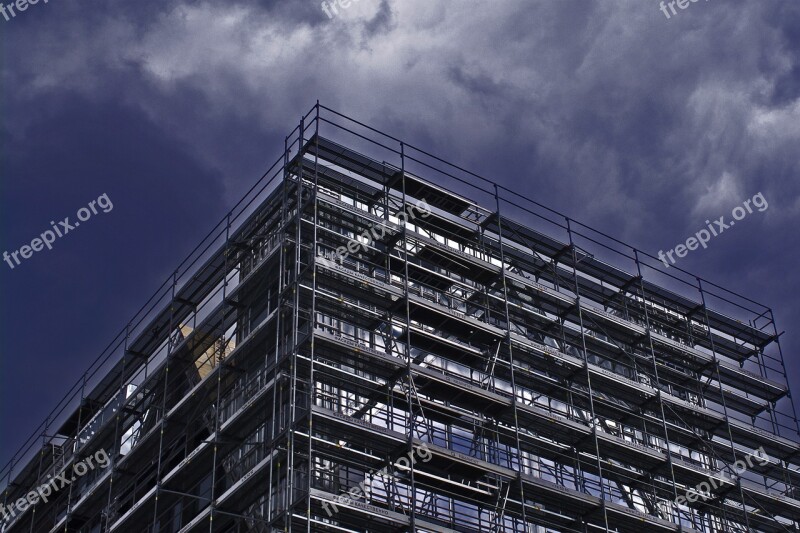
(557, 378)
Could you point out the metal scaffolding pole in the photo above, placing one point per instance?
(585, 354)
(510, 357)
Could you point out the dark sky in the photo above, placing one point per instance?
(639, 125)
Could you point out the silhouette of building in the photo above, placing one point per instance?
(359, 347)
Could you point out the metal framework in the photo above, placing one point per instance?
(559, 379)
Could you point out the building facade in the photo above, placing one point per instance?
(358, 347)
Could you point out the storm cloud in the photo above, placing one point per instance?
(636, 124)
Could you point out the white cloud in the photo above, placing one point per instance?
(720, 197)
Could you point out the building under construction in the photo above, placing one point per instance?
(374, 339)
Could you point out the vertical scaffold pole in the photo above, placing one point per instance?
(514, 390)
(588, 374)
